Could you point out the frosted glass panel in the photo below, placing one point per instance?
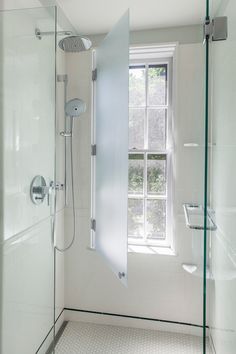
(112, 147)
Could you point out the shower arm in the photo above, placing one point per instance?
(39, 34)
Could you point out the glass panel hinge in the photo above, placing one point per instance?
(121, 275)
(93, 150)
(217, 29)
(94, 75)
(93, 224)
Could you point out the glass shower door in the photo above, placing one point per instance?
(222, 173)
(27, 106)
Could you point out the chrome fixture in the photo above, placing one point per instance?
(75, 44)
(62, 78)
(73, 108)
(58, 186)
(39, 189)
(217, 29)
(40, 34)
(66, 134)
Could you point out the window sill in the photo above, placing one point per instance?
(154, 250)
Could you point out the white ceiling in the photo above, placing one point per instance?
(98, 16)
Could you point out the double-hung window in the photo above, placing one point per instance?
(150, 175)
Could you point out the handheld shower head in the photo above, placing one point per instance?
(75, 107)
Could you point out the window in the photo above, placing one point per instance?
(149, 192)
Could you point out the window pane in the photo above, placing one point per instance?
(157, 85)
(137, 86)
(136, 128)
(157, 129)
(135, 218)
(136, 167)
(156, 174)
(156, 218)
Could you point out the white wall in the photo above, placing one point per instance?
(181, 34)
(223, 191)
(158, 287)
(60, 176)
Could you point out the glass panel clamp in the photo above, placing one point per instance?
(217, 29)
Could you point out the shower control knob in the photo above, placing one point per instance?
(59, 186)
(39, 190)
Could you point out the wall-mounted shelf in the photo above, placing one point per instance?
(196, 145)
(194, 217)
(196, 270)
(191, 145)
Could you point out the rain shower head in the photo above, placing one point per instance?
(75, 107)
(75, 44)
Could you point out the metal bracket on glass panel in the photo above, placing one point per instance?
(194, 217)
(217, 29)
(39, 34)
(94, 150)
(93, 225)
(121, 275)
(94, 75)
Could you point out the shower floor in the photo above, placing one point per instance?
(88, 338)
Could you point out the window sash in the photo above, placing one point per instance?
(165, 152)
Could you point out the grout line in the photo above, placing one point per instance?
(134, 317)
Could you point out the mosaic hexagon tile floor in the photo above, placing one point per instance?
(88, 338)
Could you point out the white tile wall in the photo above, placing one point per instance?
(157, 285)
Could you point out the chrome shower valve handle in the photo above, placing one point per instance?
(67, 134)
(39, 190)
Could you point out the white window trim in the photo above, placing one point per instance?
(161, 54)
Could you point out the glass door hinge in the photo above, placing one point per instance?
(93, 224)
(217, 29)
(94, 75)
(93, 150)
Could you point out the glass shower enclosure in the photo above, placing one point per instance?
(28, 172)
(27, 106)
(221, 179)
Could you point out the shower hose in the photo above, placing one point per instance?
(73, 197)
